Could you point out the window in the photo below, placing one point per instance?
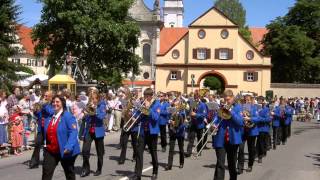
(171, 24)
(175, 54)
(173, 75)
(28, 62)
(146, 75)
(201, 53)
(224, 34)
(17, 61)
(33, 63)
(223, 54)
(250, 55)
(201, 34)
(146, 54)
(250, 76)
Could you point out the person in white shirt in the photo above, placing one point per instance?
(4, 117)
(117, 111)
(25, 105)
(110, 111)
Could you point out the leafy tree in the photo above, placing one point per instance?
(293, 43)
(235, 11)
(98, 32)
(9, 13)
(213, 83)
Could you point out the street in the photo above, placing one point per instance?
(298, 159)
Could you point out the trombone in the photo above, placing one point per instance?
(141, 110)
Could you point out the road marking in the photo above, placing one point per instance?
(144, 170)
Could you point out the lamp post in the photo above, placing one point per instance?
(192, 82)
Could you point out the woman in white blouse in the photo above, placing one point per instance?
(4, 116)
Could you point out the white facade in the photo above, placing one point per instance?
(173, 13)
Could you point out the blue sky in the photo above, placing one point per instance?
(259, 12)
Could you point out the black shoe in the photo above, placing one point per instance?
(120, 162)
(84, 173)
(135, 177)
(181, 166)
(97, 173)
(168, 168)
(154, 176)
(249, 169)
(187, 155)
(33, 166)
(164, 149)
(239, 171)
(260, 160)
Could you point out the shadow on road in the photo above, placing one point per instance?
(315, 157)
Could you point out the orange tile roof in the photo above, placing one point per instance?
(169, 37)
(24, 34)
(138, 82)
(257, 35)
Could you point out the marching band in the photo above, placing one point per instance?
(230, 123)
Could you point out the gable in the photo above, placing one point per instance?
(169, 37)
(213, 17)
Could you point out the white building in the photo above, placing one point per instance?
(25, 49)
(173, 13)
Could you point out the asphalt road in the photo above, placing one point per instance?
(299, 159)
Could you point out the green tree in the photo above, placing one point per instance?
(213, 83)
(235, 11)
(9, 13)
(98, 32)
(293, 43)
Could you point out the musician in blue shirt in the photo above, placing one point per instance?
(43, 114)
(250, 133)
(92, 129)
(228, 137)
(264, 128)
(148, 130)
(198, 113)
(177, 131)
(163, 121)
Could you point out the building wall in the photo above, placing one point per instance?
(30, 62)
(295, 90)
(231, 71)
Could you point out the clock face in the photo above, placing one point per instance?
(250, 55)
(175, 54)
(202, 34)
(224, 34)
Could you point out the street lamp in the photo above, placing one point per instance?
(192, 81)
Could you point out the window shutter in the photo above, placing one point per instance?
(255, 76)
(194, 53)
(216, 53)
(245, 74)
(179, 75)
(208, 53)
(230, 52)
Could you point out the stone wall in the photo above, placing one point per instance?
(295, 90)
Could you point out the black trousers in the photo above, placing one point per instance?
(276, 133)
(50, 162)
(124, 142)
(251, 143)
(163, 136)
(86, 151)
(151, 140)
(231, 151)
(268, 141)
(262, 144)
(36, 151)
(289, 131)
(172, 144)
(284, 133)
(193, 132)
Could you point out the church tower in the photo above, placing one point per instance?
(173, 13)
